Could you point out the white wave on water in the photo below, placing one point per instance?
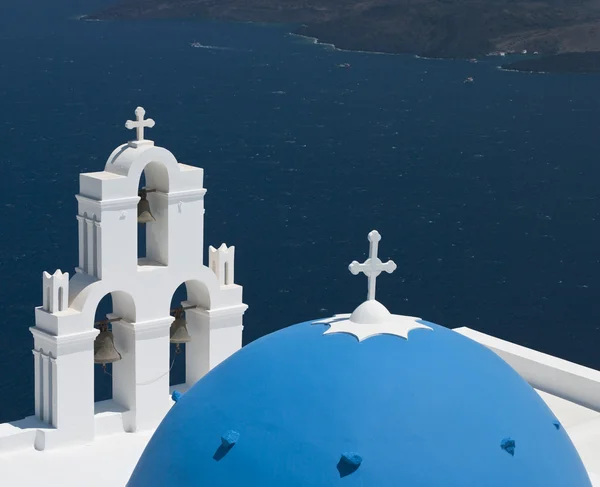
(198, 45)
(416, 56)
(520, 71)
(315, 40)
(84, 17)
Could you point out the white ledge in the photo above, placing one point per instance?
(65, 344)
(573, 382)
(112, 204)
(183, 196)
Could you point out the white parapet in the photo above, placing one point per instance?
(573, 382)
(56, 291)
(221, 261)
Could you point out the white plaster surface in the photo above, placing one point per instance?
(107, 461)
(583, 427)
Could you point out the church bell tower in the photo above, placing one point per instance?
(66, 341)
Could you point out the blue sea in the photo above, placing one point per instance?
(486, 193)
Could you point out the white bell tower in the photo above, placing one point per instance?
(141, 290)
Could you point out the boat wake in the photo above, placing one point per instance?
(198, 45)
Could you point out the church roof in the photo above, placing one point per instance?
(299, 407)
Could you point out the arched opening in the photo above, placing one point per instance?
(102, 374)
(226, 273)
(152, 219)
(178, 334)
(110, 344)
(189, 338)
(141, 227)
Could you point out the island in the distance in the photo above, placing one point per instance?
(428, 28)
(568, 62)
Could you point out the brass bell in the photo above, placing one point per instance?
(144, 213)
(104, 348)
(179, 333)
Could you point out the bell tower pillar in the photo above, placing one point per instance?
(63, 363)
(217, 332)
(140, 288)
(141, 377)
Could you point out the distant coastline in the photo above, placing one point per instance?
(565, 63)
(316, 40)
(435, 29)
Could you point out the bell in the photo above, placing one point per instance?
(144, 213)
(179, 333)
(104, 348)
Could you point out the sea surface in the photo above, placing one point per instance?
(485, 193)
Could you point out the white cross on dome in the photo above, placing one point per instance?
(373, 266)
(372, 318)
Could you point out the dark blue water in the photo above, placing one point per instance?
(485, 193)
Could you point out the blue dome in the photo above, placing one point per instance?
(436, 410)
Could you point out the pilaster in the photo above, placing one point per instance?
(37, 364)
(141, 377)
(81, 234)
(91, 247)
(216, 335)
(98, 249)
(64, 385)
(46, 415)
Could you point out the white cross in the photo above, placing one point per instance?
(373, 266)
(140, 123)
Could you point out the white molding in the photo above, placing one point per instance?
(65, 344)
(184, 196)
(145, 329)
(112, 204)
(217, 315)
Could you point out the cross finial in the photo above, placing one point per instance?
(373, 266)
(140, 124)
